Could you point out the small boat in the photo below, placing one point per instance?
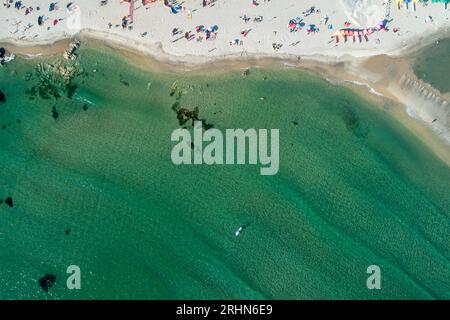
(239, 231)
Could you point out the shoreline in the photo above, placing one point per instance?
(362, 75)
(156, 50)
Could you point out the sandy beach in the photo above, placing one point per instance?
(222, 27)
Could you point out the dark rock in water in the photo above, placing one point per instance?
(295, 123)
(9, 202)
(55, 113)
(207, 126)
(2, 97)
(2, 52)
(67, 232)
(28, 76)
(47, 281)
(184, 115)
(176, 106)
(85, 107)
(123, 81)
(71, 90)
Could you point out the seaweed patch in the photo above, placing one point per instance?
(354, 123)
(54, 80)
(2, 97)
(47, 281)
(184, 115)
(55, 113)
(123, 81)
(8, 201)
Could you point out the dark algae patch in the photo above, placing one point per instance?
(47, 281)
(9, 202)
(123, 81)
(54, 80)
(184, 115)
(55, 113)
(2, 97)
(353, 122)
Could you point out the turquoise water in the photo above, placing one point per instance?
(355, 188)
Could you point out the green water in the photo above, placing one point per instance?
(354, 189)
(433, 65)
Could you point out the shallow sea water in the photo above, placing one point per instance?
(355, 188)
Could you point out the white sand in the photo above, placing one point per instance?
(158, 21)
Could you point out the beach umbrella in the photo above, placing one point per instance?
(400, 2)
(445, 2)
(310, 28)
(200, 28)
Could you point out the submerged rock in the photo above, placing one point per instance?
(123, 81)
(184, 115)
(9, 202)
(47, 281)
(55, 113)
(55, 80)
(2, 97)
